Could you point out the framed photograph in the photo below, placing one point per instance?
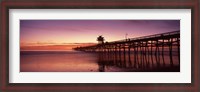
(100, 45)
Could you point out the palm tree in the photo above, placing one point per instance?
(100, 39)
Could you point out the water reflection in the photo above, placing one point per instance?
(78, 61)
(138, 61)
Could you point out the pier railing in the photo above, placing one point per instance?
(141, 52)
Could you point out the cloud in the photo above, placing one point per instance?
(45, 46)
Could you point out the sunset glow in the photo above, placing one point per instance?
(67, 34)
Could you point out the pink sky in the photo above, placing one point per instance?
(68, 32)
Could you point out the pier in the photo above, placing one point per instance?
(150, 52)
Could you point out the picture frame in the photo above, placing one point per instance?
(115, 87)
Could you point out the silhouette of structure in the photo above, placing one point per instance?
(100, 40)
(147, 51)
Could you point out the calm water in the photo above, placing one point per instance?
(76, 61)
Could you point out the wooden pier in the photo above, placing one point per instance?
(156, 50)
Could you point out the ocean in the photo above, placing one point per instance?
(78, 61)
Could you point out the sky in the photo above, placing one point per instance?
(66, 34)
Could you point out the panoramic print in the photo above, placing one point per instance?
(100, 46)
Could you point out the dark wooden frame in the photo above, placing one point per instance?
(99, 4)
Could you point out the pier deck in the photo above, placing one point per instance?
(148, 51)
